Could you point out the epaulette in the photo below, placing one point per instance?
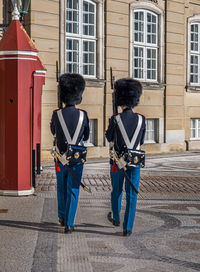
(115, 114)
(82, 110)
(140, 114)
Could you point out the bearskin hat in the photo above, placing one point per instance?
(71, 87)
(127, 92)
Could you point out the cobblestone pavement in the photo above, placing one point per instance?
(179, 173)
(166, 235)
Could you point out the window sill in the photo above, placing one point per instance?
(88, 144)
(192, 89)
(194, 139)
(153, 86)
(149, 142)
(98, 83)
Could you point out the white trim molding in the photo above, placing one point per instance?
(18, 52)
(16, 58)
(191, 19)
(17, 193)
(40, 71)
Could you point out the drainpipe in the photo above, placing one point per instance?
(187, 145)
(105, 66)
(165, 74)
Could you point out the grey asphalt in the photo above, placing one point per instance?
(166, 234)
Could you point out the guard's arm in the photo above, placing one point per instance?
(110, 131)
(86, 132)
(143, 131)
(52, 124)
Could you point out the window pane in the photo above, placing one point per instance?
(138, 62)
(91, 46)
(194, 68)
(69, 44)
(91, 69)
(85, 30)
(69, 56)
(192, 133)
(89, 58)
(151, 64)
(92, 125)
(88, 19)
(72, 56)
(195, 128)
(91, 30)
(72, 16)
(85, 6)
(85, 58)
(194, 36)
(75, 68)
(151, 130)
(139, 26)
(151, 28)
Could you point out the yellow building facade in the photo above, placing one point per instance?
(154, 41)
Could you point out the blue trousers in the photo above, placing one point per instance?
(117, 180)
(68, 192)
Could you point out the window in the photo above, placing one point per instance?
(195, 53)
(195, 129)
(3, 21)
(151, 135)
(81, 37)
(145, 45)
(92, 137)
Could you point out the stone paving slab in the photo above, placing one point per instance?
(148, 183)
(19, 232)
(166, 234)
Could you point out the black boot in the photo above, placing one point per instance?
(68, 229)
(115, 223)
(61, 222)
(127, 232)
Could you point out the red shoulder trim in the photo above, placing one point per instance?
(115, 114)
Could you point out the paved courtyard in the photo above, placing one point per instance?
(166, 234)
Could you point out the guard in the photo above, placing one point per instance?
(126, 133)
(70, 126)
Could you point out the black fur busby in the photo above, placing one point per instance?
(71, 87)
(128, 92)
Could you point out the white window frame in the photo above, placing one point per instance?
(151, 8)
(193, 20)
(81, 37)
(196, 129)
(155, 131)
(145, 46)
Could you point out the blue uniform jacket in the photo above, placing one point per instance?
(130, 121)
(71, 117)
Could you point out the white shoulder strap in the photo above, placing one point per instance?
(129, 144)
(65, 129)
(78, 128)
